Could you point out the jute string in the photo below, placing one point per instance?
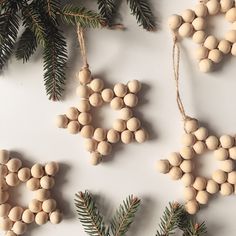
(80, 33)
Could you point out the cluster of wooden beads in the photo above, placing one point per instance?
(93, 94)
(14, 219)
(192, 23)
(180, 165)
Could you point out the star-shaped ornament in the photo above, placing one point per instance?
(193, 23)
(14, 220)
(93, 94)
(180, 165)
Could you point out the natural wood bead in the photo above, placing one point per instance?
(99, 134)
(19, 228)
(131, 100)
(35, 206)
(232, 153)
(231, 36)
(42, 194)
(104, 148)
(233, 50)
(175, 173)
(205, 65)
(174, 22)
(175, 159)
(47, 182)
(186, 30)
(215, 55)
(232, 177)
(134, 86)
(221, 154)
(226, 141)
(41, 218)
(37, 171)
(24, 174)
(28, 216)
(231, 15)
(4, 196)
(87, 131)
(83, 91)
(51, 168)
(113, 136)
(141, 136)
(120, 90)
(84, 106)
(3, 184)
(4, 209)
(91, 145)
(191, 125)
(219, 176)
(133, 124)
(201, 53)
(72, 113)
(84, 118)
(127, 136)
(96, 100)
(226, 5)
(187, 179)
(3, 170)
(192, 207)
(163, 166)
(187, 153)
(202, 197)
(73, 127)
(12, 179)
(200, 183)
(5, 224)
(14, 164)
(187, 166)
(33, 184)
(201, 134)
(227, 165)
(199, 37)
(119, 125)
(107, 95)
(199, 147)
(84, 76)
(201, 10)
(15, 213)
(212, 187)
(10, 233)
(188, 139)
(126, 113)
(199, 23)
(190, 193)
(188, 15)
(4, 156)
(97, 85)
(226, 189)
(213, 7)
(49, 205)
(55, 217)
(211, 42)
(224, 46)
(95, 158)
(117, 103)
(212, 142)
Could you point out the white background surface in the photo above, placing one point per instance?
(26, 123)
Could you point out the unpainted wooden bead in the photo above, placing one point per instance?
(19, 227)
(3, 184)
(212, 142)
(226, 189)
(175, 159)
(187, 166)
(199, 23)
(10, 233)
(163, 166)
(175, 173)
(4, 156)
(4, 196)
(96, 100)
(47, 182)
(99, 134)
(126, 113)
(133, 124)
(201, 134)
(3, 170)
(232, 153)
(188, 15)
(14, 164)
(227, 165)
(224, 46)
(231, 15)
(83, 91)
(199, 37)
(226, 5)
(201, 53)
(212, 187)
(33, 184)
(199, 147)
(215, 55)
(42, 194)
(27, 216)
(231, 36)
(15, 213)
(5, 224)
(72, 113)
(119, 125)
(97, 85)
(12, 179)
(120, 90)
(141, 136)
(201, 10)
(51, 168)
(35, 206)
(221, 154)
(190, 193)
(73, 127)
(107, 95)
(202, 197)
(127, 136)
(4, 209)
(186, 30)
(113, 136)
(37, 171)
(87, 131)
(187, 179)
(191, 125)
(104, 148)
(200, 183)
(117, 103)
(84, 106)
(131, 100)
(49, 205)
(84, 76)
(232, 177)
(219, 176)
(213, 7)
(174, 22)
(41, 218)
(187, 153)
(192, 207)
(134, 86)
(205, 65)
(211, 42)
(55, 217)
(61, 121)
(95, 158)
(24, 174)
(188, 139)
(91, 145)
(233, 50)
(84, 118)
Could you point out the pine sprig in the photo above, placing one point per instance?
(194, 229)
(124, 216)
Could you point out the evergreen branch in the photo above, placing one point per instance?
(89, 215)
(26, 46)
(194, 229)
(142, 11)
(124, 216)
(51, 7)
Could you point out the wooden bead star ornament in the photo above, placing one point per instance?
(39, 179)
(192, 23)
(93, 94)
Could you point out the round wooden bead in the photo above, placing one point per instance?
(3, 170)
(12, 179)
(131, 100)
(55, 217)
(221, 154)
(226, 141)
(91, 145)
(190, 193)
(199, 147)
(175, 159)
(113, 136)
(213, 7)
(41, 218)
(14, 164)
(4, 196)
(186, 30)
(200, 183)
(192, 207)
(232, 153)
(226, 189)
(87, 131)
(107, 95)
(99, 134)
(226, 5)
(37, 171)
(233, 50)
(201, 53)
(224, 46)
(133, 124)
(231, 15)
(219, 176)
(127, 137)
(211, 42)
(4, 156)
(73, 127)
(163, 166)
(201, 134)
(117, 103)
(119, 125)
(227, 165)
(42, 194)
(51, 168)
(187, 179)
(84, 118)
(188, 15)
(104, 148)
(212, 142)
(27, 216)
(134, 86)
(35, 206)
(205, 65)
(212, 187)
(72, 113)
(84, 106)
(83, 91)
(24, 174)
(126, 113)
(201, 10)
(4, 209)
(199, 23)
(141, 136)
(96, 99)
(15, 213)
(199, 37)
(191, 125)
(188, 139)
(232, 177)
(97, 85)
(95, 158)
(231, 36)
(19, 227)
(47, 182)
(10, 233)
(84, 76)
(187, 166)
(215, 55)
(175, 173)
(49, 205)
(202, 197)
(187, 153)
(5, 224)
(120, 90)
(3, 184)
(33, 184)
(174, 22)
